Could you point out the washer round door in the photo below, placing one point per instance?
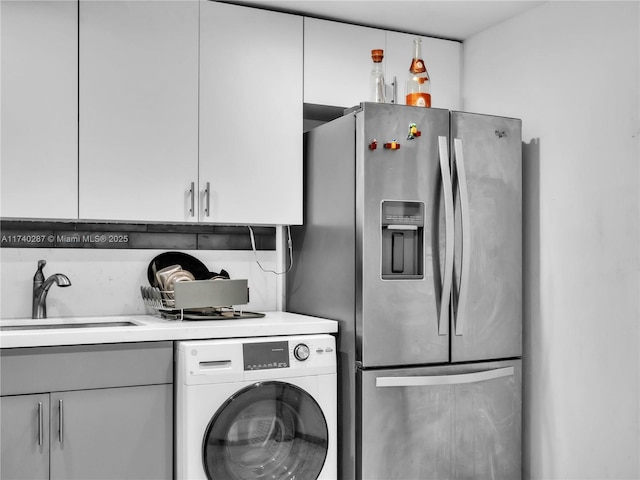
(269, 430)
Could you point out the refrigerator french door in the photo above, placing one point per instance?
(486, 158)
(401, 312)
(412, 241)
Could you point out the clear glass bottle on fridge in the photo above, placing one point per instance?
(418, 89)
(377, 77)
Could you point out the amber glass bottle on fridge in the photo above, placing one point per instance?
(418, 83)
(377, 77)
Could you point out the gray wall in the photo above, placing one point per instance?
(570, 70)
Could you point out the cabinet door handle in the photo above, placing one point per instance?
(40, 424)
(60, 420)
(207, 195)
(192, 194)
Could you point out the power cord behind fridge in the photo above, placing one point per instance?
(289, 248)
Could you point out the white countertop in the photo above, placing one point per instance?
(151, 328)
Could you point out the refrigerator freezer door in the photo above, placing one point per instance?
(455, 422)
(399, 243)
(486, 155)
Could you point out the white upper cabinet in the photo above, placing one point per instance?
(250, 115)
(337, 62)
(39, 168)
(190, 111)
(138, 110)
(179, 110)
(442, 58)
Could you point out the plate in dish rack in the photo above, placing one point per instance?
(188, 262)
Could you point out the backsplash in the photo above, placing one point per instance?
(106, 279)
(60, 234)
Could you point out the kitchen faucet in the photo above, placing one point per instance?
(41, 288)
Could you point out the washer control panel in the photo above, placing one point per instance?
(265, 355)
(260, 356)
(216, 361)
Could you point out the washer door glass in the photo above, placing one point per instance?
(269, 430)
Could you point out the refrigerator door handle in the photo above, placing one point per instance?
(434, 380)
(463, 294)
(447, 281)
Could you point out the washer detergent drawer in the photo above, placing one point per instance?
(202, 363)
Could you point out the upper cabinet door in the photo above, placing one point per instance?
(250, 115)
(337, 62)
(39, 109)
(442, 58)
(138, 110)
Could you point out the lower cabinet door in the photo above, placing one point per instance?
(429, 423)
(113, 433)
(24, 437)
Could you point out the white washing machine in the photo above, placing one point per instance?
(256, 408)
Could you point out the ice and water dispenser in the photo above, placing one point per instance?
(402, 225)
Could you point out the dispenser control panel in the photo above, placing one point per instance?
(402, 213)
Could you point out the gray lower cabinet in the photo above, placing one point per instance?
(24, 437)
(119, 427)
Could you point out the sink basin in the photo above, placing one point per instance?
(43, 326)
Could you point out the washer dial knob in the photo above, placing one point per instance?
(301, 352)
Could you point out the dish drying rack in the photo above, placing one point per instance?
(200, 300)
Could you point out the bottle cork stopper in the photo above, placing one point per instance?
(377, 55)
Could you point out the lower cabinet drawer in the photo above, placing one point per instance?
(79, 367)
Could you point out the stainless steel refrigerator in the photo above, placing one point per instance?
(412, 240)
